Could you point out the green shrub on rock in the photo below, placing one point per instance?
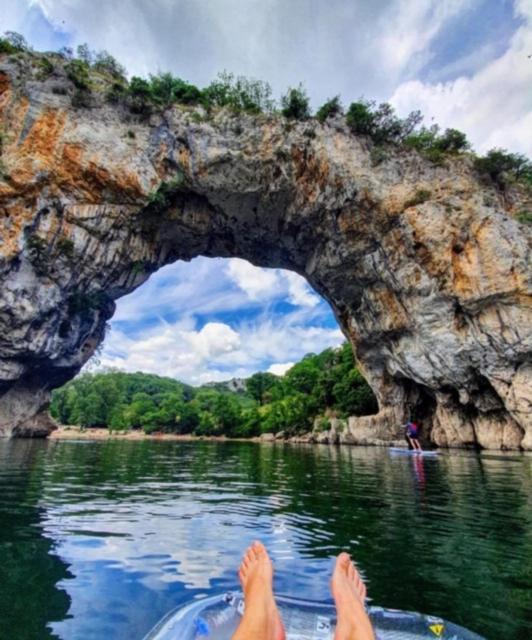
(421, 196)
(423, 139)
(140, 96)
(7, 47)
(139, 88)
(78, 72)
(13, 42)
(434, 146)
(84, 54)
(159, 199)
(239, 94)
(104, 61)
(46, 68)
(360, 118)
(66, 247)
(331, 108)
(380, 122)
(452, 141)
(165, 89)
(295, 104)
(503, 167)
(524, 217)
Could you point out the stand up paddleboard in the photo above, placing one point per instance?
(413, 452)
(217, 618)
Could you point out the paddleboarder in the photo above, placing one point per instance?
(412, 436)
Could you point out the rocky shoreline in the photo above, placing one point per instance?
(100, 433)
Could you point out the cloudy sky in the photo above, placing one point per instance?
(214, 319)
(464, 63)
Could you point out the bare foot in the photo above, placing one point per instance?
(261, 619)
(349, 593)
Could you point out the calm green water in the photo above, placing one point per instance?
(99, 540)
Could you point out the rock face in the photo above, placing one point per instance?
(426, 269)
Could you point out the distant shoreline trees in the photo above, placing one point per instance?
(327, 383)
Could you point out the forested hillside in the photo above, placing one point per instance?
(319, 385)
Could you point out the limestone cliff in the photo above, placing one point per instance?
(426, 268)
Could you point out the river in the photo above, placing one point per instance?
(100, 539)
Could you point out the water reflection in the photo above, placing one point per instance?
(30, 569)
(128, 530)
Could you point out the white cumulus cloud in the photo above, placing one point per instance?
(217, 351)
(213, 341)
(257, 283)
(265, 284)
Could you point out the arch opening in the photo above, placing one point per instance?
(220, 347)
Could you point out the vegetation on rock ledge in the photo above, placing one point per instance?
(97, 73)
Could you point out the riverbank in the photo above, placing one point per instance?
(99, 433)
(95, 433)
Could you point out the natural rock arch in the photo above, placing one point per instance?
(424, 266)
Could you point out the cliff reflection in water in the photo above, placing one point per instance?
(141, 527)
(30, 570)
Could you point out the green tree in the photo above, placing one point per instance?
(452, 141)
(380, 122)
(13, 42)
(295, 104)
(188, 419)
(250, 423)
(238, 93)
(117, 420)
(165, 90)
(259, 384)
(78, 72)
(303, 376)
(353, 396)
(331, 108)
(104, 61)
(502, 166)
(207, 424)
(141, 406)
(139, 88)
(227, 414)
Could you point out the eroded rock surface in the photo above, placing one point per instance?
(425, 266)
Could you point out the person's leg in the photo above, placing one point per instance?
(417, 445)
(410, 442)
(349, 594)
(261, 619)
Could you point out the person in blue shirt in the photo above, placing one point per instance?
(412, 436)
